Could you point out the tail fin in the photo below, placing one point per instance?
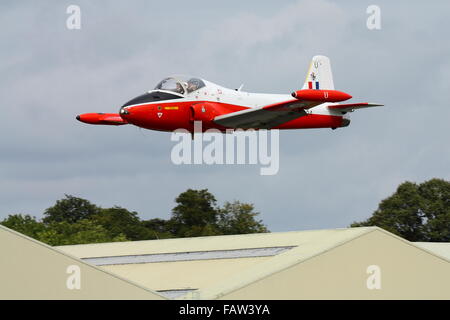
(319, 74)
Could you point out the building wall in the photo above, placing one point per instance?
(406, 272)
(32, 270)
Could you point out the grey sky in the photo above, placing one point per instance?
(327, 179)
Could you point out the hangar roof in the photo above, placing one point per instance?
(276, 265)
(439, 248)
(33, 270)
(175, 267)
(311, 241)
(208, 266)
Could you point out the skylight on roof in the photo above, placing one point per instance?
(188, 256)
(175, 293)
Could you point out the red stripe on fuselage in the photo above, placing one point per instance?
(155, 116)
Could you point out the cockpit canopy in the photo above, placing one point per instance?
(180, 84)
(175, 87)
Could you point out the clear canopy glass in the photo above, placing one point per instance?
(180, 84)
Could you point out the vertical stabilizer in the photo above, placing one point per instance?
(319, 74)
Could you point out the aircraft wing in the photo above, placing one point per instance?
(352, 106)
(266, 117)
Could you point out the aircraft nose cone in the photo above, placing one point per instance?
(78, 118)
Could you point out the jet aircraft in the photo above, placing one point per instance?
(178, 101)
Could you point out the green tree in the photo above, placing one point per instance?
(158, 228)
(239, 218)
(195, 215)
(24, 224)
(82, 231)
(75, 220)
(119, 221)
(70, 209)
(416, 212)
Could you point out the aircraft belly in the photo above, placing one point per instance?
(313, 121)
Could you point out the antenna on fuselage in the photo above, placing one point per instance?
(239, 89)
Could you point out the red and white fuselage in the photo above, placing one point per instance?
(178, 101)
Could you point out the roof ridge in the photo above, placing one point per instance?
(219, 236)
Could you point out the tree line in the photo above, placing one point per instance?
(416, 212)
(75, 220)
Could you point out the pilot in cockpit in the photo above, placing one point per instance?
(179, 88)
(192, 85)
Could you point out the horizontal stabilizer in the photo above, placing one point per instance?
(349, 107)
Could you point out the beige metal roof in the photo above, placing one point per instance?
(201, 273)
(288, 265)
(209, 267)
(33, 270)
(439, 248)
(311, 241)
